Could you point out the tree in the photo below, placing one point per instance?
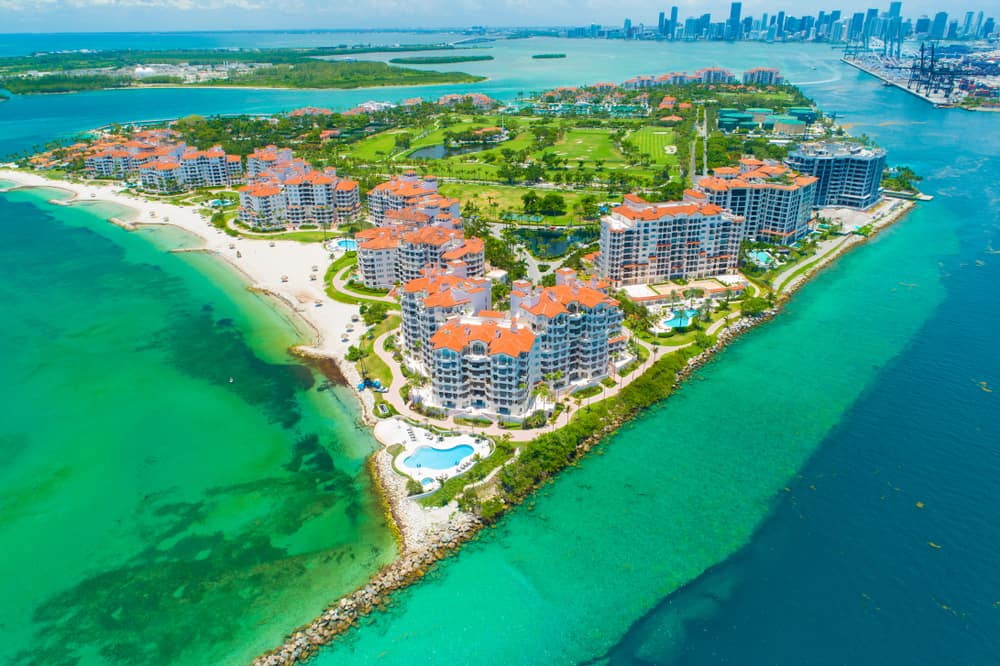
(403, 141)
(754, 307)
(373, 313)
(552, 204)
(530, 201)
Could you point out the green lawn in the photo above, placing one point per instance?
(652, 141)
(376, 147)
(589, 145)
(377, 369)
(509, 198)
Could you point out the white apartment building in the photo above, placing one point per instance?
(406, 191)
(430, 300)
(320, 198)
(646, 243)
(490, 362)
(396, 254)
(775, 202)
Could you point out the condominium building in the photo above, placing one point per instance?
(644, 242)
(406, 191)
(486, 364)
(775, 202)
(262, 205)
(712, 75)
(396, 254)
(210, 168)
(427, 302)
(762, 76)
(266, 158)
(320, 197)
(578, 328)
(162, 163)
(307, 196)
(163, 177)
(489, 361)
(847, 174)
(428, 210)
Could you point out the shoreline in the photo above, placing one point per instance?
(424, 536)
(262, 265)
(936, 103)
(342, 615)
(175, 86)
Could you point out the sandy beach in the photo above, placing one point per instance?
(263, 263)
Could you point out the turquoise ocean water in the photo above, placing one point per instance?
(765, 514)
(152, 511)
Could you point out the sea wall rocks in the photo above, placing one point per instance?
(340, 616)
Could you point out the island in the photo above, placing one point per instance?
(264, 68)
(439, 60)
(548, 56)
(501, 317)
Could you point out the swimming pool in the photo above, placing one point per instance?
(760, 258)
(680, 318)
(431, 458)
(348, 244)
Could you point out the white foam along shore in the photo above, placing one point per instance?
(263, 263)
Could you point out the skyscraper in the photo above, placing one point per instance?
(967, 25)
(779, 26)
(857, 26)
(673, 21)
(734, 28)
(894, 9)
(939, 25)
(662, 25)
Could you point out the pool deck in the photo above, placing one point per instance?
(410, 437)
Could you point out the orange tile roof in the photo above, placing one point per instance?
(261, 189)
(457, 334)
(655, 212)
(471, 246)
(431, 236)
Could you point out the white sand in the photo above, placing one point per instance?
(262, 265)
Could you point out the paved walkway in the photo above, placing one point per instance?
(394, 398)
(824, 249)
(340, 284)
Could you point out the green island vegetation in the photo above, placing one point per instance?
(74, 60)
(900, 179)
(548, 56)
(337, 74)
(438, 60)
(273, 68)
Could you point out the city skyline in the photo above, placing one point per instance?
(183, 15)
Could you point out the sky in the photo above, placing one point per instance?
(169, 15)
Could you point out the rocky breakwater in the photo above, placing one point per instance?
(426, 536)
(726, 336)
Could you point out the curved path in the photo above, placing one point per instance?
(340, 284)
(826, 251)
(394, 397)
